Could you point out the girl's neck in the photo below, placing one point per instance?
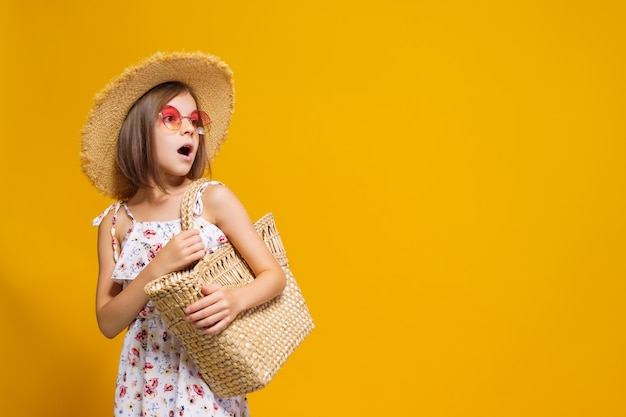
(155, 195)
(154, 204)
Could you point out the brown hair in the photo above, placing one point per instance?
(135, 145)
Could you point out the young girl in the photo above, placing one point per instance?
(150, 133)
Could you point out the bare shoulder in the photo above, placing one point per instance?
(222, 206)
(122, 224)
(217, 193)
(106, 218)
(218, 197)
(104, 234)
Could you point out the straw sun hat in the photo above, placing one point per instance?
(209, 78)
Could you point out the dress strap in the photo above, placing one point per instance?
(199, 206)
(115, 207)
(96, 222)
(128, 211)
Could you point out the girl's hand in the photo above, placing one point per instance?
(183, 249)
(215, 311)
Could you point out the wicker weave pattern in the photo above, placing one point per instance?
(245, 356)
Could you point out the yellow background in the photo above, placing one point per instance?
(448, 178)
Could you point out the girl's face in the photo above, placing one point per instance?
(176, 149)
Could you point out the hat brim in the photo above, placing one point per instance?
(208, 77)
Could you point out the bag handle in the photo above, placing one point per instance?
(189, 202)
(265, 226)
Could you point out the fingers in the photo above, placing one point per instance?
(213, 323)
(214, 300)
(189, 233)
(181, 251)
(217, 327)
(211, 288)
(189, 244)
(188, 239)
(214, 312)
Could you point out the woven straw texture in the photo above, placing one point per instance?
(247, 355)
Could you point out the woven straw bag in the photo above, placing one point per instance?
(246, 355)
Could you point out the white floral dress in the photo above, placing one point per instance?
(156, 378)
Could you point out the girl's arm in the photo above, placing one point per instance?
(116, 309)
(219, 307)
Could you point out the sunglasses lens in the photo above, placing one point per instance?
(171, 117)
(201, 121)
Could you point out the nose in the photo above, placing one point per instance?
(186, 126)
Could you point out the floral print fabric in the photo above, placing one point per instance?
(156, 378)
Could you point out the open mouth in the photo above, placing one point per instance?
(184, 150)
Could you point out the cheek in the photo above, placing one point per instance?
(162, 146)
